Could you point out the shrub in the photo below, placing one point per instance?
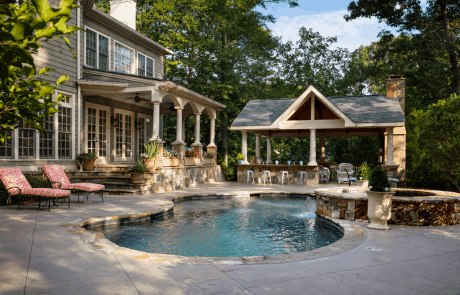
(136, 168)
(378, 182)
(240, 157)
(364, 172)
(86, 157)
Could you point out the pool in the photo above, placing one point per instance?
(244, 226)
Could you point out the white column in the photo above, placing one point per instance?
(269, 149)
(390, 147)
(178, 126)
(213, 132)
(312, 148)
(197, 130)
(156, 121)
(244, 146)
(257, 145)
(323, 151)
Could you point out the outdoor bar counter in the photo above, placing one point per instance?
(312, 173)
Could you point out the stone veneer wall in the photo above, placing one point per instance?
(294, 176)
(437, 211)
(174, 178)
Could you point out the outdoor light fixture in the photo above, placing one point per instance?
(171, 108)
(116, 120)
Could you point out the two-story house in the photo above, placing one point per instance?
(116, 95)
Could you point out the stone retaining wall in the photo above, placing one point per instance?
(439, 210)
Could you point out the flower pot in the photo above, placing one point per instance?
(170, 162)
(379, 209)
(207, 161)
(137, 177)
(289, 162)
(362, 183)
(150, 165)
(89, 165)
(240, 162)
(300, 162)
(276, 162)
(191, 161)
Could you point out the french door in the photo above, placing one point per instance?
(97, 131)
(124, 135)
(144, 131)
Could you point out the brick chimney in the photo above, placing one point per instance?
(124, 11)
(396, 87)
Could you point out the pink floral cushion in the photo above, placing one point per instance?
(56, 174)
(13, 177)
(46, 192)
(89, 187)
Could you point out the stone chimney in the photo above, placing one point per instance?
(124, 11)
(396, 87)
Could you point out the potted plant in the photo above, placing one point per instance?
(87, 160)
(240, 158)
(379, 199)
(192, 158)
(137, 172)
(208, 158)
(171, 158)
(150, 155)
(363, 175)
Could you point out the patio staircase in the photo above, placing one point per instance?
(114, 177)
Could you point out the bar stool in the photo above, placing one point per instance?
(302, 173)
(282, 176)
(266, 173)
(247, 175)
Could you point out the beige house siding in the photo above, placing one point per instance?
(124, 40)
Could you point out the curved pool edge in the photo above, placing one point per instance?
(353, 235)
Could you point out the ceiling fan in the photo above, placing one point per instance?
(137, 98)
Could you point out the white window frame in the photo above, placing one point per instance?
(146, 58)
(71, 105)
(97, 49)
(146, 135)
(133, 57)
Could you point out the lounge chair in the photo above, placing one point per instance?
(59, 179)
(17, 186)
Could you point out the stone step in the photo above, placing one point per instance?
(118, 185)
(122, 192)
(97, 173)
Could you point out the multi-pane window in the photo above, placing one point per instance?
(26, 144)
(97, 50)
(47, 139)
(141, 65)
(141, 129)
(103, 52)
(6, 150)
(149, 68)
(91, 48)
(65, 132)
(123, 59)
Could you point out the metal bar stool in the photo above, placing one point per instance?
(282, 176)
(265, 174)
(247, 175)
(302, 173)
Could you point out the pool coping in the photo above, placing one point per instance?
(353, 235)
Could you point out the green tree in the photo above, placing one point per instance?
(25, 97)
(435, 27)
(435, 145)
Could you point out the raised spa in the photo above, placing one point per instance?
(229, 227)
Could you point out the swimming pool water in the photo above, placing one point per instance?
(228, 228)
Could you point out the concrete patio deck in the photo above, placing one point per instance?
(37, 257)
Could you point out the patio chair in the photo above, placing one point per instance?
(324, 174)
(59, 179)
(17, 186)
(344, 172)
(395, 180)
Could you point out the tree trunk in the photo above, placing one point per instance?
(450, 49)
(225, 137)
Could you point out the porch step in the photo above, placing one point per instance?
(118, 185)
(98, 173)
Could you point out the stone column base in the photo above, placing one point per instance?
(212, 149)
(180, 147)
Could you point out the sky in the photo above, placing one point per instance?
(325, 17)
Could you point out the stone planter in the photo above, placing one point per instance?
(89, 165)
(379, 209)
(207, 161)
(170, 162)
(192, 161)
(137, 177)
(362, 183)
(150, 165)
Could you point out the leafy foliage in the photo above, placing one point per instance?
(85, 157)
(26, 98)
(136, 168)
(364, 172)
(434, 140)
(378, 181)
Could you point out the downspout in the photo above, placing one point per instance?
(78, 78)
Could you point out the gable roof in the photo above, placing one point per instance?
(358, 109)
